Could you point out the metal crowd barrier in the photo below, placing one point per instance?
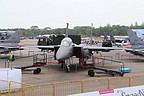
(128, 57)
(11, 88)
(70, 87)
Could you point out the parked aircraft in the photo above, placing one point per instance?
(137, 43)
(120, 41)
(12, 43)
(5, 34)
(67, 49)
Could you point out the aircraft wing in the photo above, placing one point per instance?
(4, 49)
(48, 47)
(14, 48)
(92, 48)
(130, 49)
(139, 52)
(104, 49)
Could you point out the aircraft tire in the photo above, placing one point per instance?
(112, 74)
(62, 65)
(91, 73)
(67, 69)
(121, 74)
(37, 71)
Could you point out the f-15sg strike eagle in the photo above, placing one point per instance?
(67, 49)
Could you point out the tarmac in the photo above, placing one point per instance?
(54, 73)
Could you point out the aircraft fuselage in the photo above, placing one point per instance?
(67, 50)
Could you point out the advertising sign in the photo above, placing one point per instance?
(127, 91)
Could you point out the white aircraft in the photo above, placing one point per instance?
(12, 43)
(137, 43)
(120, 40)
(67, 49)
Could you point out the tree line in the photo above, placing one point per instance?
(81, 30)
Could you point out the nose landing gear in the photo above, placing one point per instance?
(66, 64)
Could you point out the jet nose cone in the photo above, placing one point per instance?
(62, 54)
(60, 57)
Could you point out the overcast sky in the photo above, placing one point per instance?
(56, 13)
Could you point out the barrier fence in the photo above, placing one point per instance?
(9, 88)
(128, 57)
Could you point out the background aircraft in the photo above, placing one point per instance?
(119, 41)
(12, 43)
(67, 49)
(5, 34)
(137, 43)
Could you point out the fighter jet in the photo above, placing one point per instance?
(5, 34)
(136, 42)
(12, 43)
(67, 49)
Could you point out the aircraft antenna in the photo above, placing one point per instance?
(67, 30)
(91, 34)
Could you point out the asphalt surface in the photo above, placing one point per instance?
(54, 73)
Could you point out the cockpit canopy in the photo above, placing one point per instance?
(66, 42)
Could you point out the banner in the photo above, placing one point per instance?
(127, 91)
